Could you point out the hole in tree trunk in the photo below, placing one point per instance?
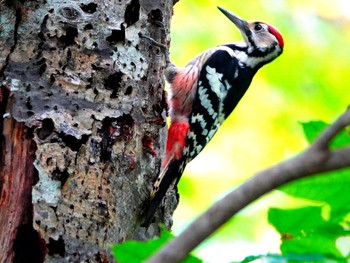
(56, 247)
(28, 245)
(89, 8)
(116, 36)
(132, 12)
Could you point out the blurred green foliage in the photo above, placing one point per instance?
(317, 229)
(136, 251)
(309, 81)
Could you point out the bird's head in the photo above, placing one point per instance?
(261, 38)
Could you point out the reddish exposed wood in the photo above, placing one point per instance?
(16, 180)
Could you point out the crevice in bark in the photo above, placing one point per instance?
(15, 32)
(116, 35)
(113, 82)
(148, 144)
(114, 129)
(4, 95)
(72, 142)
(128, 91)
(28, 245)
(89, 8)
(42, 30)
(88, 27)
(56, 247)
(61, 176)
(69, 38)
(132, 12)
(47, 128)
(156, 17)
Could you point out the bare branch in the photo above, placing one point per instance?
(316, 159)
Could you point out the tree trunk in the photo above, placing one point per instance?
(82, 127)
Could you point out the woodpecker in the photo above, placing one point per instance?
(204, 93)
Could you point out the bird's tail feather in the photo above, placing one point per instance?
(171, 174)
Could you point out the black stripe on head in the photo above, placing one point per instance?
(261, 53)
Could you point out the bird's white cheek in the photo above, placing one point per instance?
(262, 41)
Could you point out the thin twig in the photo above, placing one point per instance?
(316, 159)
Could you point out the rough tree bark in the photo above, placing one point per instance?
(82, 126)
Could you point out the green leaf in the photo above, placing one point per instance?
(305, 231)
(313, 128)
(291, 257)
(331, 188)
(138, 251)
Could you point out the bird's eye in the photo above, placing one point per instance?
(257, 27)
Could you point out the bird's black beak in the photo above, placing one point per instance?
(241, 24)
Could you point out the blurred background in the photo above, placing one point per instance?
(309, 81)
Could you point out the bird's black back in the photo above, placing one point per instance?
(213, 104)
